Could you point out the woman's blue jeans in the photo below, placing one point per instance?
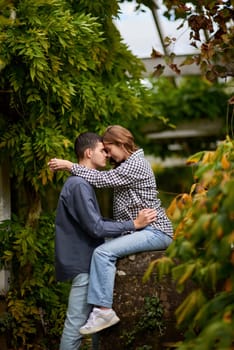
(77, 313)
(103, 265)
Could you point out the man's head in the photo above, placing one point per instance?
(90, 150)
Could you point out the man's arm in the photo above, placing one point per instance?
(144, 218)
(82, 206)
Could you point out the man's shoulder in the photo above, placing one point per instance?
(76, 186)
(74, 183)
(73, 179)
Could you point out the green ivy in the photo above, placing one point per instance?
(36, 303)
(150, 319)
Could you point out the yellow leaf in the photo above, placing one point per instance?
(189, 60)
(225, 163)
(208, 157)
(190, 306)
(172, 207)
(219, 232)
(188, 272)
(195, 158)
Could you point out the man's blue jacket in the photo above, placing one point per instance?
(80, 228)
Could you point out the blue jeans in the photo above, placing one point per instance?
(103, 269)
(77, 313)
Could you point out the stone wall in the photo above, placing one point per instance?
(129, 302)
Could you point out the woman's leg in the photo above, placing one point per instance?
(102, 271)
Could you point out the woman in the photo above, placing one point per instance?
(134, 189)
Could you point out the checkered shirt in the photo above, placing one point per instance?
(134, 189)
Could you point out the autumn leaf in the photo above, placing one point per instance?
(225, 163)
(194, 159)
(159, 69)
(156, 54)
(175, 68)
(189, 60)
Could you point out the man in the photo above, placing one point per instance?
(80, 228)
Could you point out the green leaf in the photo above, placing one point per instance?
(190, 306)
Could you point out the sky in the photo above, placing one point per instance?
(140, 34)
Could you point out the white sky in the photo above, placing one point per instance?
(140, 34)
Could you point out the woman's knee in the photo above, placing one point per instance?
(100, 253)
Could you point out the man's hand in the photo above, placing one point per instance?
(144, 218)
(59, 164)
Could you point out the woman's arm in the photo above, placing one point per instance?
(60, 164)
(126, 174)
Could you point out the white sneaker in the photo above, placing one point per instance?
(98, 320)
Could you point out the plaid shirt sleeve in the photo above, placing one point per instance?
(130, 172)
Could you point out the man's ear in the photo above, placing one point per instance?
(88, 153)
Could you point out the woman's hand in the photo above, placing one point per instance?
(59, 164)
(144, 218)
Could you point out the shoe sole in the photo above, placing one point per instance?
(113, 321)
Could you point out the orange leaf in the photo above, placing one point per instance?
(228, 285)
(225, 163)
(227, 317)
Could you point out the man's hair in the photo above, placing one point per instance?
(84, 141)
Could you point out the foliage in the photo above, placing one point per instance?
(202, 252)
(194, 98)
(151, 319)
(188, 103)
(36, 303)
(152, 315)
(64, 71)
(211, 32)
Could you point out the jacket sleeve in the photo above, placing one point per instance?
(83, 208)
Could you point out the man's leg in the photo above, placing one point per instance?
(77, 313)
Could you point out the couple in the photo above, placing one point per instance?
(80, 227)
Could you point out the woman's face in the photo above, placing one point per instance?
(117, 152)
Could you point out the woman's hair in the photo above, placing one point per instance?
(118, 135)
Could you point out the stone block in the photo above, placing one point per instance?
(129, 303)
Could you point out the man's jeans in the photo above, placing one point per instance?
(103, 269)
(77, 313)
